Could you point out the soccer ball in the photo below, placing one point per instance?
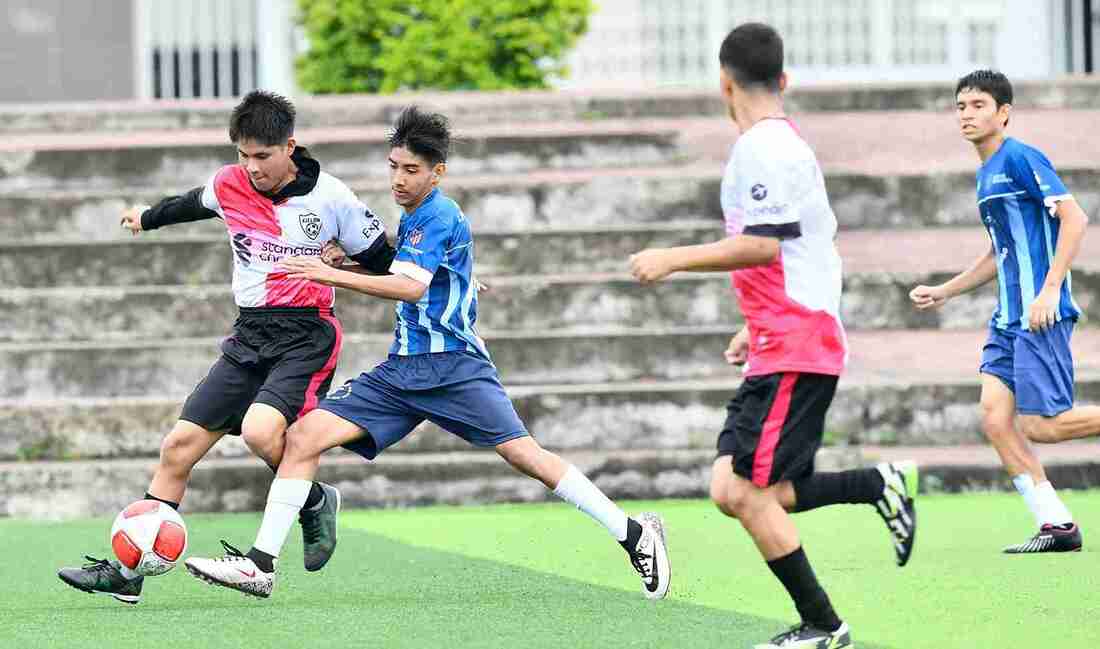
(149, 537)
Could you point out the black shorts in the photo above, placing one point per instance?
(282, 357)
(775, 425)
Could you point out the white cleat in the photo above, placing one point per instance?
(235, 571)
(649, 556)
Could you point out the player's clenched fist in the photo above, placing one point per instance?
(131, 218)
(928, 297)
(650, 265)
(333, 255)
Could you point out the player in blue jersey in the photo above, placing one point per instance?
(1035, 227)
(438, 369)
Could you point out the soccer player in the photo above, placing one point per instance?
(1035, 228)
(787, 275)
(279, 361)
(438, 369)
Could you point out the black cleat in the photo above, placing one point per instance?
(319, 529)
(805, 636)
(1050, 538)
(102, 576)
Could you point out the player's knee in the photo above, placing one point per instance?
(995, 425)
(719, 495)
(175, 453)
(299, 440)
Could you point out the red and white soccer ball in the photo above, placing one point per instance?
(149, 537)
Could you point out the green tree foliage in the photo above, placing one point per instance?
(390, 45)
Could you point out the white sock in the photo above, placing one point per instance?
(1051, 508)
(576, 489)
(126, 572)
(284, 501)
(1026, 486)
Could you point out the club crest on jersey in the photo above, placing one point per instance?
(759, 192)
(311, 224)
(415, 237)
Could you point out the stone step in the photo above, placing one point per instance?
(175, 365)
(545, 198)
(176, 260)
(902, 387)
(60, 490)
(468, 108)
(563, 303)
(187, 158)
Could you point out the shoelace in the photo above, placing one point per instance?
(311, 526)
(636, 558)
(790, 635)
(97, 565)
(231, 553)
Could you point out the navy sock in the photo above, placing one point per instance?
(316, 496)
(263, 560)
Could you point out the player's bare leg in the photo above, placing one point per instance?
(1078, 422)
(643, 537)
(1057, 531)
(772, 530)
(253, 573)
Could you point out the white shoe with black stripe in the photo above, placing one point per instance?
(649, 556)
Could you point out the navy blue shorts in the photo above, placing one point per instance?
(458, 391)
(1036, 366)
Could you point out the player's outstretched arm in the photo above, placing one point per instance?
(169, 211)
(391, 287)
(980, 273)
(1043, 312)
(731, 253)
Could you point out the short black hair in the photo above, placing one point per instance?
(427, 135)
(753, 54)
(266, 117)
(991, 81)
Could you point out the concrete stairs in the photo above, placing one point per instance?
(102, 335)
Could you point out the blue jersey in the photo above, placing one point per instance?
(436, 248)
(1018, 190)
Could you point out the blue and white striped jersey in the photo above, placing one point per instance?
(1018, 190)
(435, 247)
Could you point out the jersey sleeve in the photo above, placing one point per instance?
(422, 249)
(357, 226)
(210, 196)
(1032, 170)
(768, 188)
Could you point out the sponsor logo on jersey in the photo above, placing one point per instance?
(759, 192)
(311, 224)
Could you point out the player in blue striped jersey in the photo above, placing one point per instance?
(438, 369)
(1035, 228)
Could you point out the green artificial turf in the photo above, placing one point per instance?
(528, 576)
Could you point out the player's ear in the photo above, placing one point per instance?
(1005, 111)
(438, 172)
(291, 144)
(782, 81)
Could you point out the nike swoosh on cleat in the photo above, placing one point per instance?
(250, 575)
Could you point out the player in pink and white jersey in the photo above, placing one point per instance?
(280, 358)
(787, 276)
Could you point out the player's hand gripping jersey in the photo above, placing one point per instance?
(312, 210)
(774, 187)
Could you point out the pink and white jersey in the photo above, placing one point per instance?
(262, 233)
(774, 187)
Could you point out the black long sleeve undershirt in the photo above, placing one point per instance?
(377, 258)
(177, 209)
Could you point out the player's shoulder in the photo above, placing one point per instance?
(230, 174)
(772, 140)
(332, 188)
(1017, 149)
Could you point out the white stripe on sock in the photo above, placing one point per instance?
(575, 488)
(284, 501)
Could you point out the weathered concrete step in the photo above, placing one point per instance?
(902, 387)
(187, 158)
(469, 108)
(207, 259)
(59, 490)
(872, 300)
(175, 365)
(563, 198)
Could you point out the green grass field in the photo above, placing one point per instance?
(530, 576)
